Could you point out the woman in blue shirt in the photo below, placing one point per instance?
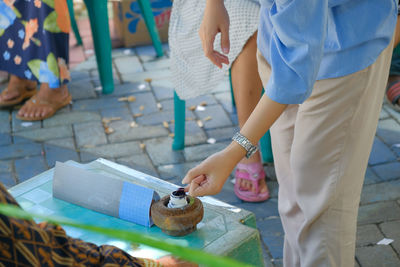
(320, 62)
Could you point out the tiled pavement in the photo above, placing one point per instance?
(141, 139)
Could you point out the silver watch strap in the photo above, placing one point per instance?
(245, 143)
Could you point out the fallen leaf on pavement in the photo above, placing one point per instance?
(200, 123)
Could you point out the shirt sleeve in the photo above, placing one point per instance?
(297, 33)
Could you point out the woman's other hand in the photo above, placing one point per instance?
(215, 20)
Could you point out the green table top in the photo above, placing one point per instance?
(220, 232)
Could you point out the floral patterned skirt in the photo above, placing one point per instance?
(34, 40)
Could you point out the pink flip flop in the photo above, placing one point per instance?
(393, 95)
(253, 173)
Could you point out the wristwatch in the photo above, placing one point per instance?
(245, 143)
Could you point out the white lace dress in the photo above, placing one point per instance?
(192, 73)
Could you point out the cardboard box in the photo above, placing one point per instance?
(130, 26)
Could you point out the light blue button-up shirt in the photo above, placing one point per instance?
(309, 40)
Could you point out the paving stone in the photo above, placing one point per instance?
(273, 188)
(7, 179)
(79, 76)
(380, 153)
(5, 121)
(225, 99)
(200, 152)
(384, 114)
(71, 118)
(122, 113)
(146, 100)
(392, 231)
(129, 64)
(381, 192)
(123, 132)
(371, 177)
(227, 194)
(21, 140)
(55, 153)
(142, 76)
(368, 235)
(389, 131)
(268, 261)
(18, 125)
(89, 134)
(98, 103)
(82, 90)
(146, 52)
(127, 89)
(162, 92)
(20, 150)
(222, 134)
(122, 52)
(272, 235)
(114, 150)
(161, 153)
(163, 63)
(87, 157)
(208, 99)
(156, 118)
(377, 256)
(139, 162)
(263, 210)
(378, 212)
(218, 117)
(5, 139)
(28, 167)
(44, 134)
(167, 104)
(388, 171)
(167, 82)
(86, 65)
(394, 113)
(5, 166)
(277, 262)
(63, 142)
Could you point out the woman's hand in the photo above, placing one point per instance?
(215, 20)
(209, 177)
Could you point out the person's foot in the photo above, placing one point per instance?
(246, 185)
(169, 261)
(17, 90)
(393, 91)
(45, 103)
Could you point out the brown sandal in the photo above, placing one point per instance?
(55, 106)
(26, 93)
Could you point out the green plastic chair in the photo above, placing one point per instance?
(179, 137)
(98, 16)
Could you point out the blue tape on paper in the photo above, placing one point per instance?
(134, 204)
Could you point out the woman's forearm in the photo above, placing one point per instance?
(261, 119)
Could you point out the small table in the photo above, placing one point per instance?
(225, 229)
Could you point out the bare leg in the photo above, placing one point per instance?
(47, 95)
(247, 89)
(15, 86)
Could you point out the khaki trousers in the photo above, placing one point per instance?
(321, 150)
